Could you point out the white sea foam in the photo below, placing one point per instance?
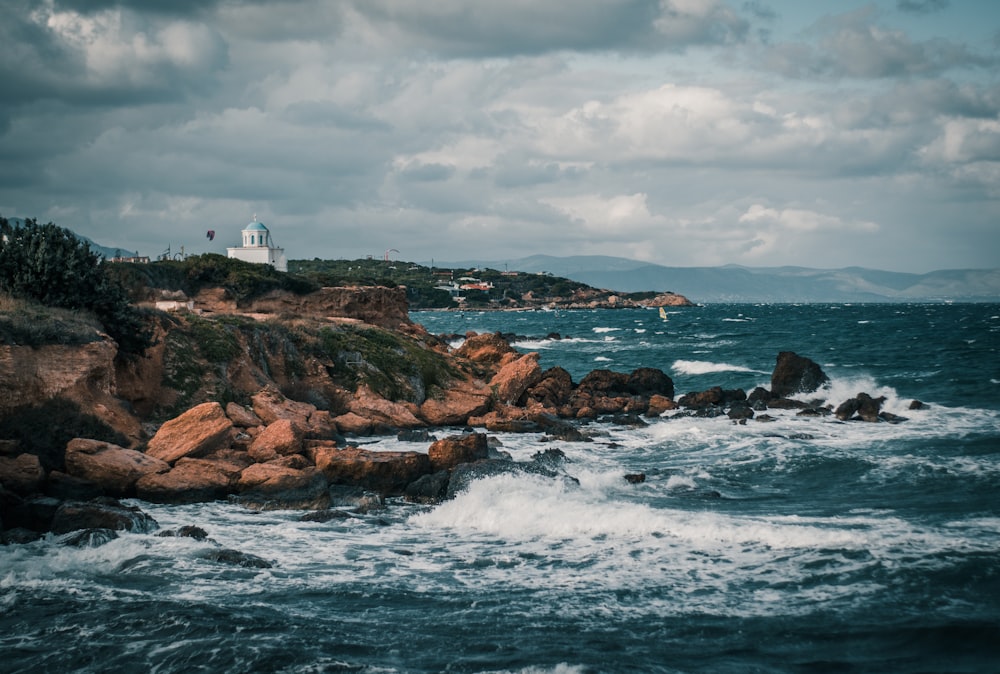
(697, 367)
(600, 330)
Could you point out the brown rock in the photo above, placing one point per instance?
(554, 388)
(279, 438)
(190, 481)
(354, 424)
(115, 469)
(383, 413)
(273, 486)
(385, 472)
(22, 474)
(199, 431)
(515, 378)
(270, 405)
(242, 417)
(659, 404)
(458, 403)
(448, 452)
(487, 348)
(319, 451)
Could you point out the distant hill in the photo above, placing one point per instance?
(733, 283)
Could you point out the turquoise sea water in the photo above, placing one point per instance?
(800, 545)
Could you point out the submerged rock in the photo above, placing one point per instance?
(237, 558)
(101, 514)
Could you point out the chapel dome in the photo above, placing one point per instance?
(255, 227)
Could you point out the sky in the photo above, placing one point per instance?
(679, 132)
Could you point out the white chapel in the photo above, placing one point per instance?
(258, 247)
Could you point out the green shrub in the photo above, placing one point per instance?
(51, 265)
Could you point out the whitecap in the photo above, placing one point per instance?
(600, 329)
(696, 367)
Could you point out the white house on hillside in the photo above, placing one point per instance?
(258, 247)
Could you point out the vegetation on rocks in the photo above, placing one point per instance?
(52, 266)
(244, 281)
(26, 322)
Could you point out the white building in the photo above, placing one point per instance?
(258, 247)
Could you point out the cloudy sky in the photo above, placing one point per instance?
(680, 132)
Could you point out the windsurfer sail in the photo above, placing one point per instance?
(663, 313)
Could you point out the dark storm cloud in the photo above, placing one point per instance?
(43, 60)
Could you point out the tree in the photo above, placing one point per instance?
(52, 266)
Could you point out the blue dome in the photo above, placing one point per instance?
(255, 227)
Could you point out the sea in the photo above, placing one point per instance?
(802, 544)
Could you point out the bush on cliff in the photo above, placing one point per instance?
(51, 265)
(244, 281)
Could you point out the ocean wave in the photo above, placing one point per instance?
(697, 367)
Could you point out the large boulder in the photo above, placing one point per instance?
(649, 381)
(385, 472)
(383, 413)
(114, 469)
(190, 481)
(22, 474)
(553, 390)
(605, 382)
(463, 400)
(451, 451)
(274, 486)
(489, 349)
(352, 423)
(795, 374)
(199, 431)
(270, 405)
(863, 405)
(280, 438)
(515, 378)
(242, 417)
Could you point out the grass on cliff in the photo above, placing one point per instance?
(392, 365)
(25, 322)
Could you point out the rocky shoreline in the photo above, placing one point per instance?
(278, 453)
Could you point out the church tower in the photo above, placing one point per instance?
(257, 247)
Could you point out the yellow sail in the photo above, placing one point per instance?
(663, 314)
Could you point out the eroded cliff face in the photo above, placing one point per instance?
(85, 374)
(384, 307)
(31, 375)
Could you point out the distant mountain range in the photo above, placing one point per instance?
(733, 283)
